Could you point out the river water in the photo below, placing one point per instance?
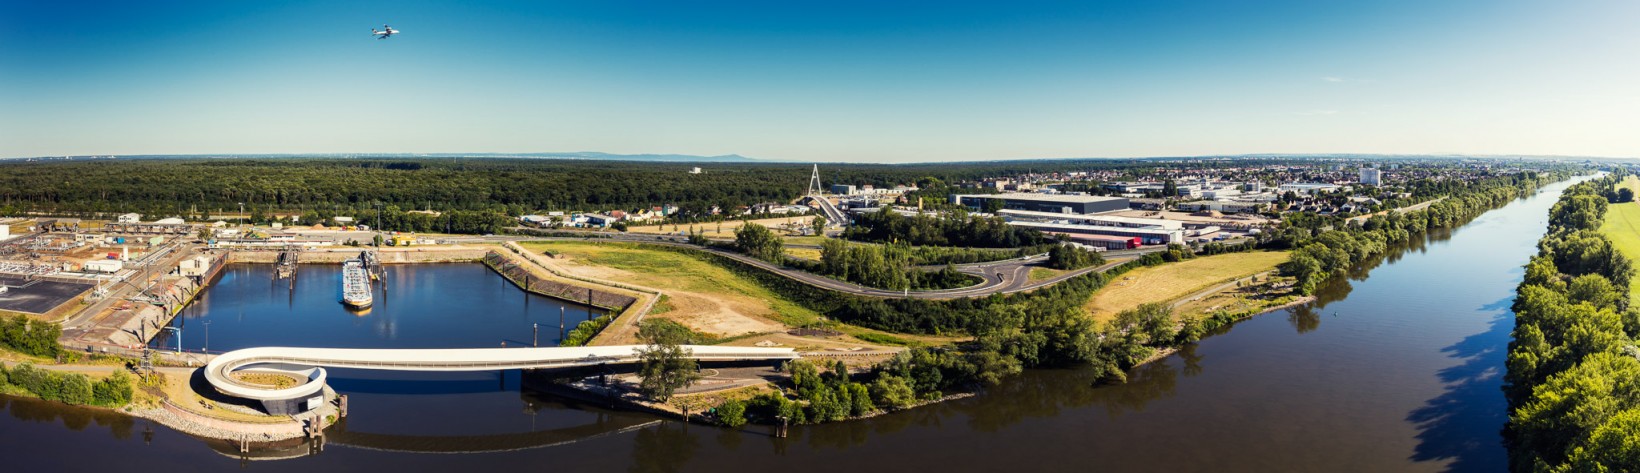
(1397, 368)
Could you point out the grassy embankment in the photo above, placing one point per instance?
(702, 296)
(1622, 226)
(1038, 274)
(1172, 281)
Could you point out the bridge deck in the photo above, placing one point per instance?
(309, 363)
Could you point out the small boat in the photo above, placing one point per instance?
(356, 285)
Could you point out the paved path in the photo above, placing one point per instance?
(1213, 290)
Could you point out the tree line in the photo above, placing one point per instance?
(1572, 380)
(954, 228)
(887, 266)
(68, 388)
(1324, 247)
(24, 335)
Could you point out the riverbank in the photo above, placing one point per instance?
(1163, 353)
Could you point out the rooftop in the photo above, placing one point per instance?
(1071, 199)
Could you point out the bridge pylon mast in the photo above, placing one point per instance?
(814, 182)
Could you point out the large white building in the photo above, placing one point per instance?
(1371, 177)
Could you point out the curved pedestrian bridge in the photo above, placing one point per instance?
(308, 364)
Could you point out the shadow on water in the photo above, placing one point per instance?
(75, 418)
(1471, 402)
(664, 448)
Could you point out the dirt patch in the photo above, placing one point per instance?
(704, 314)
(570, 265)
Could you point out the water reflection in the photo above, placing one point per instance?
(74, 418)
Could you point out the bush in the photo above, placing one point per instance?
(113, 391)
(584, 331)
(76, 389)
(732, 414)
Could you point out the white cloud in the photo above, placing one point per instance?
(1333, 79)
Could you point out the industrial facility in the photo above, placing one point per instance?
(1050, 203)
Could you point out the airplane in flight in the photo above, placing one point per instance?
(384, 33)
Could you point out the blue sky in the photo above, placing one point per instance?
(870, 81)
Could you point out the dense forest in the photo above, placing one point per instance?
(191, 186)
(1573, 383)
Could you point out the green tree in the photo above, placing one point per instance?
(1614, 446)
(732, 413)
(805, 377)
(1068, 256)
(893, 392)
(113, 391)
(758, 242)
(76, 389)
(859, 397)
(665, 365)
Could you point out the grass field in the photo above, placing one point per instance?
(702, 296)
(805, 253)
(696, 287)
(1038, 274)
(1622, 225)
(1172, 281)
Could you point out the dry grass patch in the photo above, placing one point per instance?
(703, 296)
(1172, 281)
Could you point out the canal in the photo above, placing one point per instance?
(1396, 368)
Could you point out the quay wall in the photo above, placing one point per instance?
(513, 269)
(337, 256)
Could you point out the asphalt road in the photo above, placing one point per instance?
(1000, 277)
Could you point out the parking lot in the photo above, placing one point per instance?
(37, 297)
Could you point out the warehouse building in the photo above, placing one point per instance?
(1049, 203)
(1099, 220)
(1149, 236)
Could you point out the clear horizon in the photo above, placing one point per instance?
(822, 82)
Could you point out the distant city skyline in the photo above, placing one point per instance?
(835, 81)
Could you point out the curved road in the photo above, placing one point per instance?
(999, 277)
